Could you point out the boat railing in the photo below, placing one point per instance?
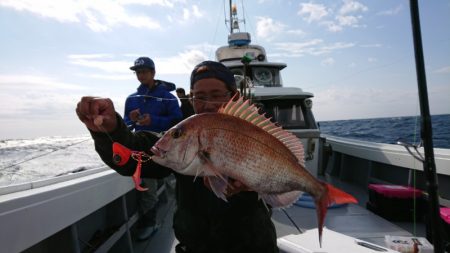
(363, 162)
(6, 189)
(75, 206)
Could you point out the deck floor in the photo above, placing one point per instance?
(352, 220)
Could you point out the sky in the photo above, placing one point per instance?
(355, 56)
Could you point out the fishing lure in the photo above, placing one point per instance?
(122, 154)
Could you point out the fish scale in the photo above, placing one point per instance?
(248, 156)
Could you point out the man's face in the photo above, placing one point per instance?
(209, 95)
(145, 76)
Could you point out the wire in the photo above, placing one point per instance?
(211, 51)
(295, 225)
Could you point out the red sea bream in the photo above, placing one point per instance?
(239, 143)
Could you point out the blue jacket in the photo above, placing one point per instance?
(158, 102)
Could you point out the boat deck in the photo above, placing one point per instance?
(352, 220)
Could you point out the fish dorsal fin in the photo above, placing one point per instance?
(243, 109)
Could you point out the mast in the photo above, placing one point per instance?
(231, 17)
(429, 166)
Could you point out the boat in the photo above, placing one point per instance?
(95, 210)
(260, 81)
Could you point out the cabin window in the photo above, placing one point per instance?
(289, 114)
(237, 71)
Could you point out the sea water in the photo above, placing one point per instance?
(25, 160)
(390, 130)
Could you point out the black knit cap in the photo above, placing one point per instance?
(212, 69)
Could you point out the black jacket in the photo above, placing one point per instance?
(202, 221)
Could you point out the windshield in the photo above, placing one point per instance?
(288, 113)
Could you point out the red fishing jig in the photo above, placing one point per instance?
(122, 154)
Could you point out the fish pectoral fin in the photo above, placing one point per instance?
(281, 200)
(217, 182)
(218, 186)
(209, 168)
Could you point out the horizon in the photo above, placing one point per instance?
(88, 134)
(356, 57)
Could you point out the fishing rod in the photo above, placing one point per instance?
(429, 166)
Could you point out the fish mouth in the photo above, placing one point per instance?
(158, 152)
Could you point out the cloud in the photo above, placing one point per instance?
(36, 96)
(332, 26)
(391, 12)
(101, 62)
(338, 45)
(162, 3)
(328, 62)
(118, 66)
(443, 70)
(296, 32)
(184, 15)
(267, 28)
(62, 11)
(194, 12)
(36, 82)
(299, 48)
(347, 20)
(351, 6)
(348, 15)
(312, 47)
(370, 45)
(312, 12)
(341, 102)
(183, 63)
(112, 77)
(99, 15)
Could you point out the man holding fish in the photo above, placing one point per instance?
(231, 165)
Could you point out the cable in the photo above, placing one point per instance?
(295, 225)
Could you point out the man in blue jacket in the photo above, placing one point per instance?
(151, 108)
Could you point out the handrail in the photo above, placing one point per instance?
(387, 153)
(6, 189)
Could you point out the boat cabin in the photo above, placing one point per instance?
(260, 81)
(247, 60)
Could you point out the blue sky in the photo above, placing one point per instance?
(355, 56)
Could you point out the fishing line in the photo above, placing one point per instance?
(35, 157)
(414, 177)
(215, 35)
(106, 132)
(412, 173)
(225, 15)
(295, 225)
(207, 101)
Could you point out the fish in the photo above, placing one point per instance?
(241, 143)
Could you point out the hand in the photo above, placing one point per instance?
(134, 115)
(233, 187)
(144, 120)
(97, 114)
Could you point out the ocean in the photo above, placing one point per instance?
(389, 130)
(24, 160)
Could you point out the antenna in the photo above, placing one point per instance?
(234, 19)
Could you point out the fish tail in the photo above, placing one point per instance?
(333, 196)
(336, 196)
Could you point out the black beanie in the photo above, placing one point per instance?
(212, 69)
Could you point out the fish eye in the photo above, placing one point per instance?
(176, 133)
